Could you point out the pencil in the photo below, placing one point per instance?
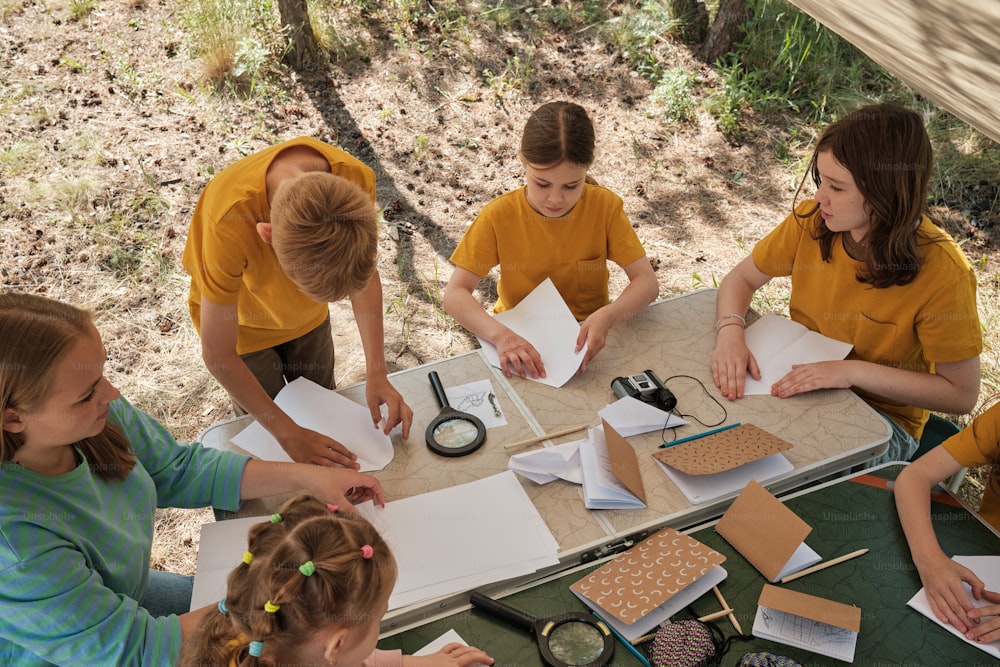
(725, 605)
(626, 643)
(823, 566)
(700, 435)
(546, 436)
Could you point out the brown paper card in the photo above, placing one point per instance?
(814, 608)
(762, 529)
(722, 451)
(624, 462)
(639, 580)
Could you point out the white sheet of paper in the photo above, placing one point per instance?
(474, 398)
(449, 637)
(986, 568)
(630, 416)
(778, 342)
(320, 409)
(804, 556)
(703, 488)
(549, 463)
(544, 320)
(446, 541)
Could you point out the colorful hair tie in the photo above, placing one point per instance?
(270, 607)
(307, 568)
(223, 609)
(276, 518)
(367, 551)
(256, 648)
(247, 557)
(332, 508)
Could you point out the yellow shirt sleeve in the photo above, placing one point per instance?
(977, 445)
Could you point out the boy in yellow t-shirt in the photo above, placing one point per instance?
(559, 226)
(275, 237)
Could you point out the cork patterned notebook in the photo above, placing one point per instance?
(639, 580)
(722, 451)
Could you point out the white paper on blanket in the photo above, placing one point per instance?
(550, 463)
(544, 320)
(325, 411)
(479, 399)
(986, 568)
(778, 342)
(449, 637)
(630, 416)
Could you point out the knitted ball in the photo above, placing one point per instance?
(764, 659)
(682, 644)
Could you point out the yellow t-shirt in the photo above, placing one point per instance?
(230, 263)
(976, 445)
(931, 320)
(572, 250)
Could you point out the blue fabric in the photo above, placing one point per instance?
(902, 445)
(168, 593)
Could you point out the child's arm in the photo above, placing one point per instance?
(338, 486)
(640, 291)
(218, 349)
(941, 576)
(731, 359)
(514, 351)
(451, 655)
(367, 307)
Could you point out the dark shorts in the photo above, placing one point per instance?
(309, 356)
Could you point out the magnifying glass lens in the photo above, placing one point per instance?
(576, 643)
(455, 433)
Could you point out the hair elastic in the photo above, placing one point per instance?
(270, 607)
(307, 568)
(256, 648)
(367, 551)
(223, 609)
(275, 518)
(332, 508)
(247, 556)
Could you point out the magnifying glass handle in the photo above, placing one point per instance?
(438, 388)
(501, 610)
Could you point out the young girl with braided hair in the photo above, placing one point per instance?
(311, 590)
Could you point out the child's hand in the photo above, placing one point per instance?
(819, 375)
(987, 618)
(731, 361)
(942, 579)
(451, 655)
(307, 446)
(594, 332)
(518, 356)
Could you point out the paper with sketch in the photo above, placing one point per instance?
(611, 475)
(986, 568)
(778, 342)
(502, 536)
(325, 411)
(807, 622)
(479, 399)
(547, 464)
(544, 320)
(630, 416)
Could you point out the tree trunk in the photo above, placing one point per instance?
(303, 51)
(693, 18)
(726, 30)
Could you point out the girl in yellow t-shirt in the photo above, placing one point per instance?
(977, 444)
(560, 225)
(311, 590)
(868, 267)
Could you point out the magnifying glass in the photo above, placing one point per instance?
(452, 432)
(570, 639)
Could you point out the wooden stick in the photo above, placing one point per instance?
(732, 616)
(710, 617)
(546, 436)
(823, 566)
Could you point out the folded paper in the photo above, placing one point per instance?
(807, 622)
(610, 469)
(767, 533)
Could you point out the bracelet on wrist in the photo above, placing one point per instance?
(722, 325)
(719, 323)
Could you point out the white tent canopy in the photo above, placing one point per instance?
(948, 50)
